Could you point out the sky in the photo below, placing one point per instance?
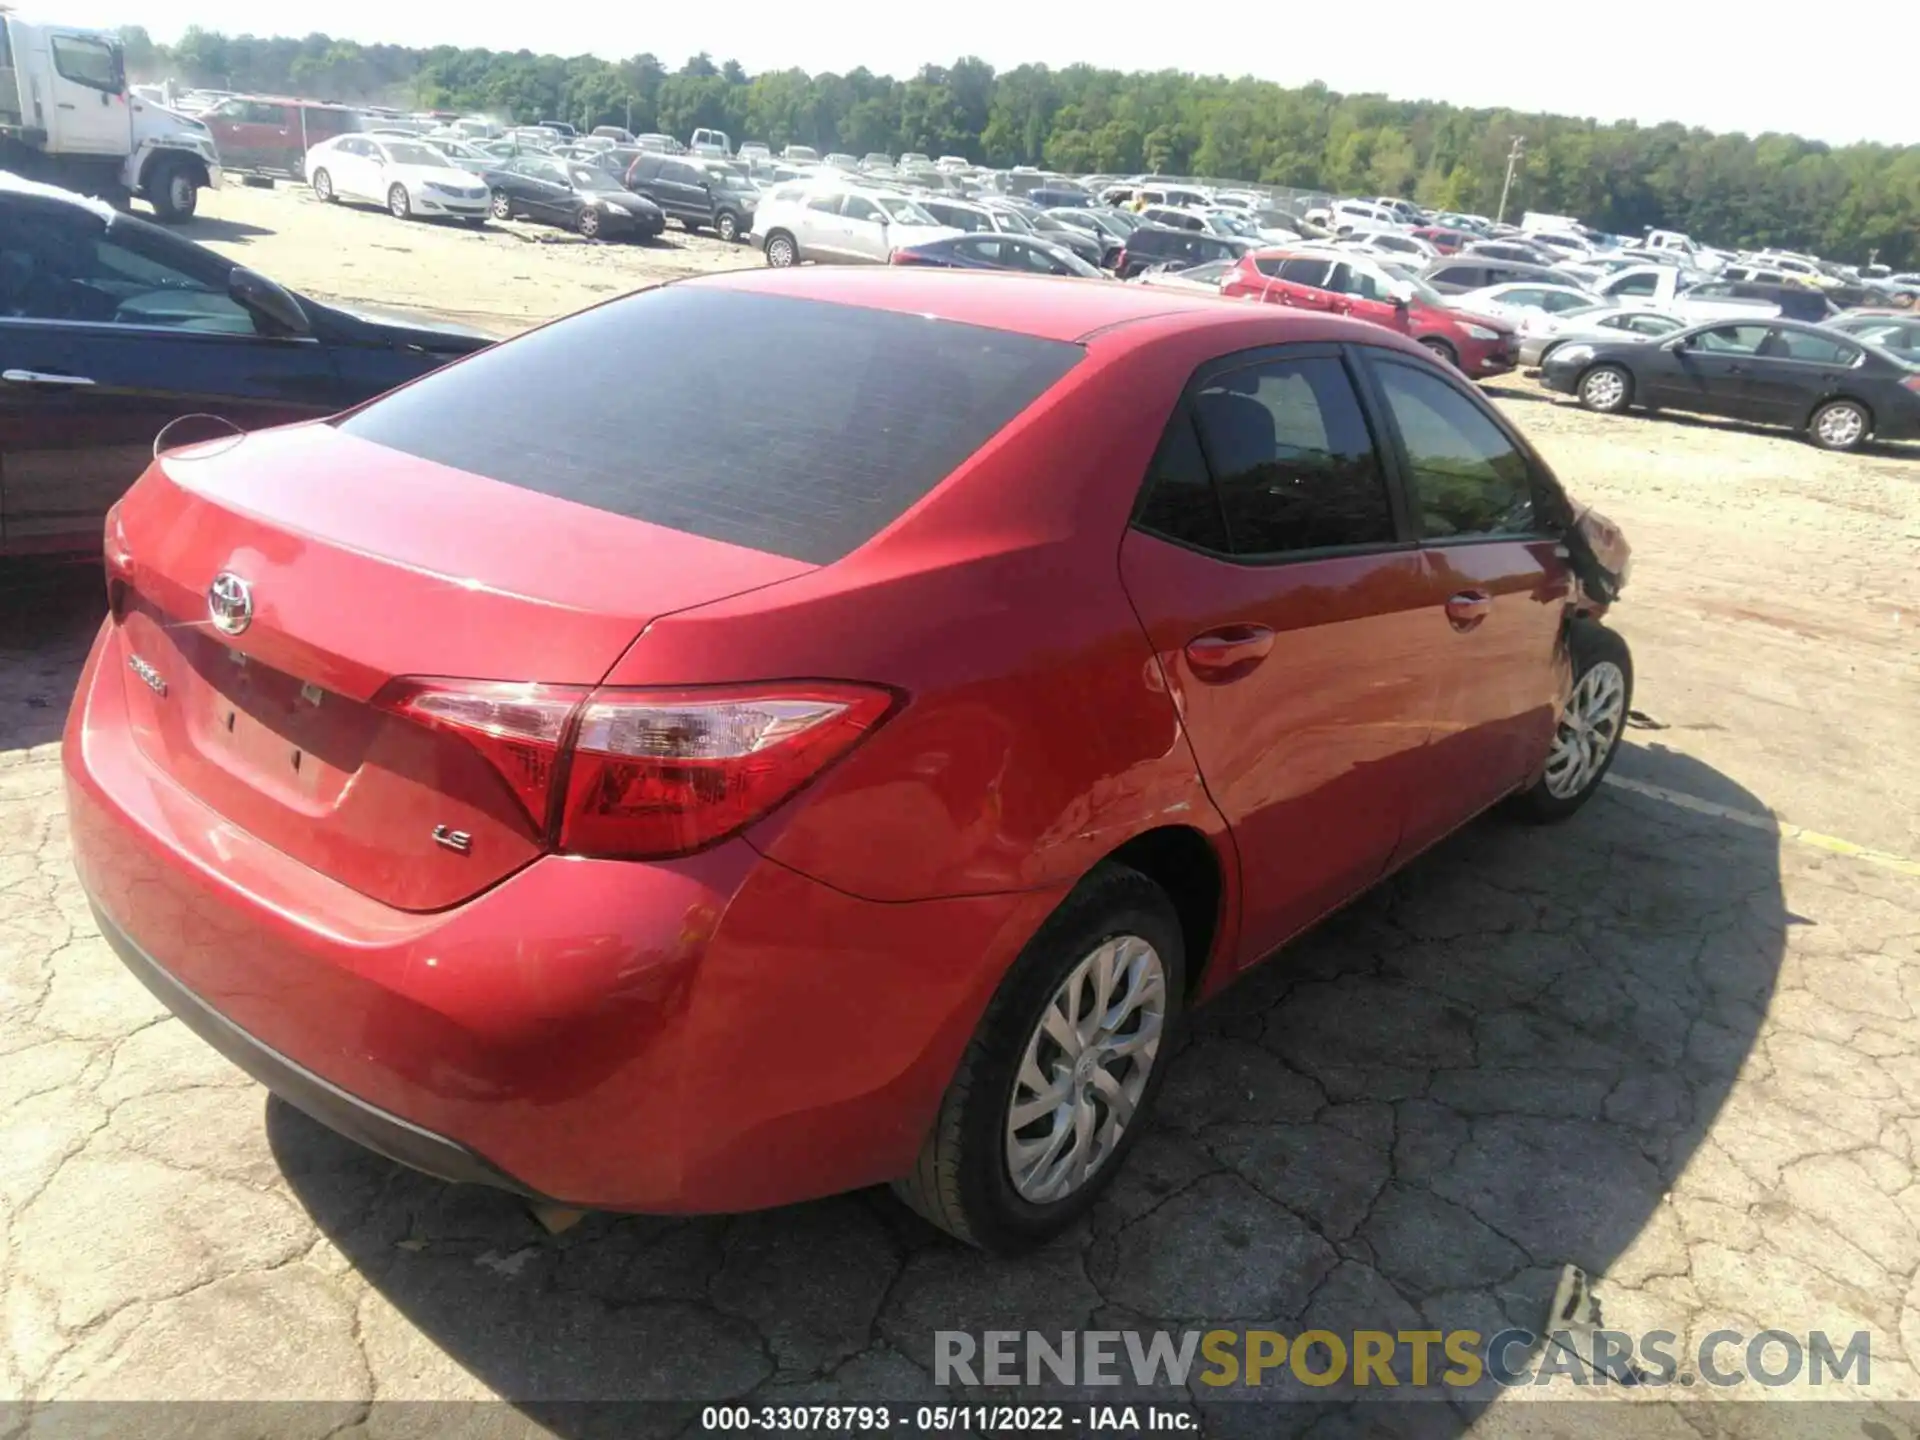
(1721, 64)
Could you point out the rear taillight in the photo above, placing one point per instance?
(646, 774)
(117, 557)
(904, 257)
(1120, 261)
(1912, 382)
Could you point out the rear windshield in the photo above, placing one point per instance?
(788, 426)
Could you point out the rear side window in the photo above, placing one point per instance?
(845, 416)
(1180, 500)
(1289, 448)
(1467, 477)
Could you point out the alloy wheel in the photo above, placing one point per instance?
(726, 229)
(780, 252)
(1085, 1069)
(1604, 390)
(399, 203)
(1840, 427)
(1589, 727)
(323, 185)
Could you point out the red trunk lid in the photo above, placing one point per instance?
(364, 565)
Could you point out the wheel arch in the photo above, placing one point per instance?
(1187, 865)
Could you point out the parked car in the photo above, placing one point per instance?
(619, 134)
(824, 221)
(973, 218)
(1897, 332)
(1339, 282)
(115, 328)
(801, 155)
(710, 142)
(411, 178)
(464, 153)
(1596, 323)
(1444, 240)
(1515, 249)
(1158, 245)
(1515, 303)
(1070, 755)
(1096, 250)
(1686, 294)
(1389, 244)
(1206, 278)
(701, 194)
(1457, 274)
(558, 127)
(271, 135)
(1024, 254)
(1836, 390)
(575, 196)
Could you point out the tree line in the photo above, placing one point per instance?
(1845, 202)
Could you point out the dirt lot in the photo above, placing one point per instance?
(1675, 1041)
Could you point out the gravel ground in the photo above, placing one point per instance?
(1674, 1042)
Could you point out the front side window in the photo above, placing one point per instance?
(860, 208)
(1731, 340)
(86, 61)
(63, 267)
(1467, 477)
(1294, 462)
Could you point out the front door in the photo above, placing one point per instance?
(1290, 618)
(1710, 373)
(1495, 600)
(128, 332)
(866, 230)
(89, 114)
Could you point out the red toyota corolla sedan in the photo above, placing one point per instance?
(793, 730)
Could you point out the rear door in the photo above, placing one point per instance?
(1290, 615)
(823, 233)
(1495, 594)
(109, 336)
(1794, 371)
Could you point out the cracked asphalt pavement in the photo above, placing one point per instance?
(1677, 1050)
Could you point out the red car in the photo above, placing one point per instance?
(551, 781)
(1344, 283)
(1447, 242)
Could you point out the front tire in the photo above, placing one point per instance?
(399, 203)
(1606, 389)
(782, 253)
(1061, 1075)
(1840, 425)
(502, 207)
(1441, 351)
(173, 192)
(589, 224)
(323, 188)
(1587, 736)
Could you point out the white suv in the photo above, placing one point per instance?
(819, 220)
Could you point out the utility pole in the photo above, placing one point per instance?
(1513, 158)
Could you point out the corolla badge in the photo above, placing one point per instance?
(230, 603)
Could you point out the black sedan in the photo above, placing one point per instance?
(112, 329)
(1836, 389)
(575, 196)
(1027, 254)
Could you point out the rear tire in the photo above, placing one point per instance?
(1117, 934)
(1840, 425)
(727, 227)
(782, 252)
(1587, 734)
(1606, 389)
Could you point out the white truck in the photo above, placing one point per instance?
(1684, 295)
(68, 118)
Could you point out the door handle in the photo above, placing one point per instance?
(1468, 608)
(1229, 651)
(40, 377)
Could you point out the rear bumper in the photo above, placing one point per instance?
(365, 1124)
(716, 1033)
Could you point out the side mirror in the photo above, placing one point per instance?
(1679, 342)
(274, 309)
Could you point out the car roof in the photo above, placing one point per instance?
(1046, 308)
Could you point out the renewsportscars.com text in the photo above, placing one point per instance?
(1390, 1360)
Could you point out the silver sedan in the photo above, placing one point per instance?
(1595, 322)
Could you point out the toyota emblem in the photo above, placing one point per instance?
(230, 603)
